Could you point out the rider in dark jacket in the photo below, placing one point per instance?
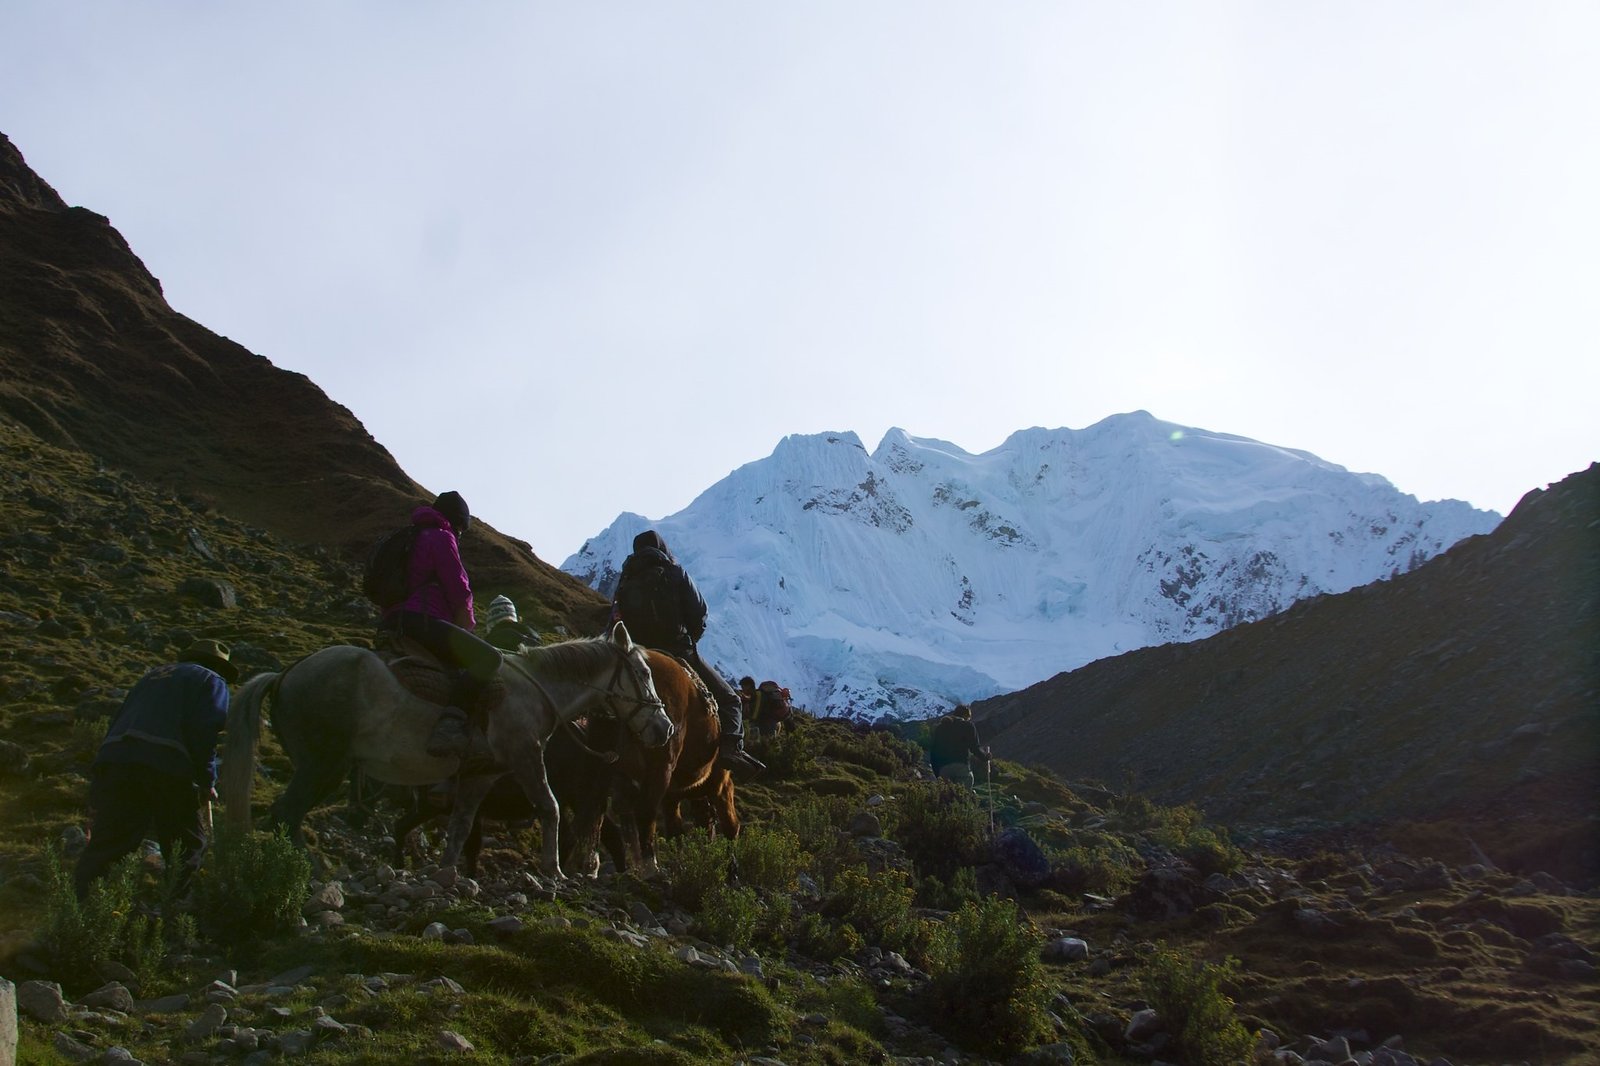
(659, 603)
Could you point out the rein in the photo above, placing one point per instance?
(608, 690)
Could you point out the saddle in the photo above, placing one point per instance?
(428, 678)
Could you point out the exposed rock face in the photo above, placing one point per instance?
(92, 357)
(1466, 687)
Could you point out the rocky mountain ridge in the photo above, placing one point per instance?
(1468, 689)
(92, 357)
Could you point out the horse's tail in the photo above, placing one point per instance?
(238, 774)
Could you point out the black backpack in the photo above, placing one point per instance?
(385, 573)
(647, 602)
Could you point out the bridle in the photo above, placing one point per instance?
(638, 708)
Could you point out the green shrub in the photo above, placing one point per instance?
(108, 925)
(770, 860)
(988, 985)
(846, 998)
(694, 864)
(1101, 865)
(879, 750)
(1188, 996)
(251, 886)
(879, 908)
(819, 938)
(817, 822)
(1181, 830)
(730, 915)
(962, 887)
(792, 754)
(941, 827)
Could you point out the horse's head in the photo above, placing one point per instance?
(631, 697)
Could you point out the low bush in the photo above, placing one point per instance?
(941, 827)
(962, 887)
(108, 925)
(252, 885)
(878, 906)
(730, 916)
(1100, 865)
(770, 860)
(792, 754)
(988, 988)
(694, 864)
(1187, 995)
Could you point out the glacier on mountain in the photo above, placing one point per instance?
(901, 581)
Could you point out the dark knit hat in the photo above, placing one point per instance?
(452, 506)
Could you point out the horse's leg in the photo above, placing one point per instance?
(469, 795)
(722, 808)
(415, 814)
(316, 777)
(474, 848)
(646, 808)
(530, 774)
(616, 847)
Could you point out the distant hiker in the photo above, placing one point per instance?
(662, 608)
(954, 743)
(157, 766)
(504, 629)
(437, 614)
(768, 709)
(747, 697)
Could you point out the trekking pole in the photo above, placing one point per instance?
(988, 786)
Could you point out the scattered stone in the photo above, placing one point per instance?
(296, 1042)
(293, 977)
(73, 1050)
(1066, 949)
(113, 996)
(452, 1041)
(206, 1025)
(163, 1005)
(8, 1022)
(865, 824)
(210, 592)
(434, 931)
(505, 926)
(42, 1001)
(1142, 1026)
(330, 897)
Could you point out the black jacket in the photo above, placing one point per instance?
(657, 600)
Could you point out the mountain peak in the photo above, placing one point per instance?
(920, 575)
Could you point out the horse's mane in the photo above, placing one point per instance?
(570, 660)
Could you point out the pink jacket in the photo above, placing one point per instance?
(437, 577)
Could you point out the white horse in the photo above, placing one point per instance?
(342, 706)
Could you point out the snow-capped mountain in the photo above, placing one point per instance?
(917, 575)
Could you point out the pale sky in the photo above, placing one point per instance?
(575, 259)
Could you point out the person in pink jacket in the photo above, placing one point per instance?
(437, 613)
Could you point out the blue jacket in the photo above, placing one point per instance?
(170, 721)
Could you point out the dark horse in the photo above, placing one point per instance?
(657, 780)
(342, 706)
(579, 777)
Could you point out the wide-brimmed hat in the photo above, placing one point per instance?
(213, 655)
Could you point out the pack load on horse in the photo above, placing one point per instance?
(769, 709)
(343, 706)
(654, 782)
(665, 611)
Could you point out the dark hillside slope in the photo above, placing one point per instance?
(1467, 690)
(92, 357)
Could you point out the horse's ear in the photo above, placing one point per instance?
(619, 635)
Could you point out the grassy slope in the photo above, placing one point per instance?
(93, 559)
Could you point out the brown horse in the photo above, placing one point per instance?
(654, 781)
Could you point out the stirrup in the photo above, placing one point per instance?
(449, 738)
